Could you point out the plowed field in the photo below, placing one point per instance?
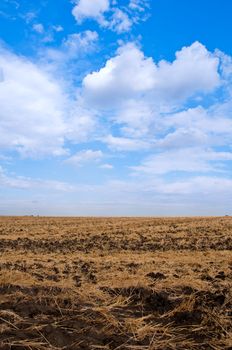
(115, 283)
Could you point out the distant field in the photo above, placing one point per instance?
(115, 283)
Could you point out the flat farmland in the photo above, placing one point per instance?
(115, 283)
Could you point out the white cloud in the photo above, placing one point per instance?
(142, 97)
(135, 117)
(74, 46)
(194, 70)
(39, 28)
(48, 38)
(184, 137)
(125, 144)
(1, 75)
(138, 5)
(77, 42)
(58, 28)
(109, 15)
(155, 189)
(130, 75)
(36, 116)
(198, 126)
(32, 108)
(123, 76)
(49, 34)
(143, 102)
(120, 21)
(27, 183)
(90, 9)
(81, 123)
(135, 197)
(193, 159)
(226, 64)
(106, 166)
(198, 185)
(84, 157)
(29, 17)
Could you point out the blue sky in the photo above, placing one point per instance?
(115, 107)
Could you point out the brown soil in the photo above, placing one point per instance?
(115, 283)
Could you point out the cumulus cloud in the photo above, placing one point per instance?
(226, 64)
(194, 70)
(148, 100)
(32, 108)
(123, 76)
(176, 116)
(90, 9)
(36, 115)
(130, 74)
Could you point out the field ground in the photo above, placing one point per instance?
(115, 283)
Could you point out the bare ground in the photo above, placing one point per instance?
(115, 283)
